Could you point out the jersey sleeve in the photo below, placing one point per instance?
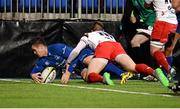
(65, 51)
(148, 1)
(73, 65)
(75, 52)
(58, 49)
(38, 67)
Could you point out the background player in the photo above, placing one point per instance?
(144, 19)
(165, 22)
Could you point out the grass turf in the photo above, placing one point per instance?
(29, 95)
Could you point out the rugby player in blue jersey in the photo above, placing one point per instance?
(53, 55)
(56, 54)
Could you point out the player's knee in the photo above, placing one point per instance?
(154, 51)
(135, 44)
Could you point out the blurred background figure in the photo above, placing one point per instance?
(138, 24)
(165, 23)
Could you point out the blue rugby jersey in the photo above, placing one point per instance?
(57, 56)
(78, 61)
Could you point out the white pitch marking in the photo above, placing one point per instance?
(112, 90)
(15, 80)
(100, 89)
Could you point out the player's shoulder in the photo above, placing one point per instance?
(89, 33)
(94, 33)
(85, 34)
(85, 37)
(41, 61)
(57, 45)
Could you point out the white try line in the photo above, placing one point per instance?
(112, 90)
(93, 88)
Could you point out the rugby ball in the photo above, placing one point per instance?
(48, 74)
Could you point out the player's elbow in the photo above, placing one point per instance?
(72, 56)
(75, 53)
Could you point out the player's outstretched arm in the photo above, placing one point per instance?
(75, 52)
(66, 75)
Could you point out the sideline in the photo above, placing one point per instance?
(93, 88)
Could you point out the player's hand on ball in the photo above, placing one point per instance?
(65, 78)
(36, 77)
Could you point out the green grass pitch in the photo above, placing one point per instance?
(78, 94)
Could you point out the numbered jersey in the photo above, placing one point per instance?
(94, 38)
(164, 10)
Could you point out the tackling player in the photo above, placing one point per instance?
(107, 49)
(83, 60)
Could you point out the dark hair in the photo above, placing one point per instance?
(38, 40)
(97, 25)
